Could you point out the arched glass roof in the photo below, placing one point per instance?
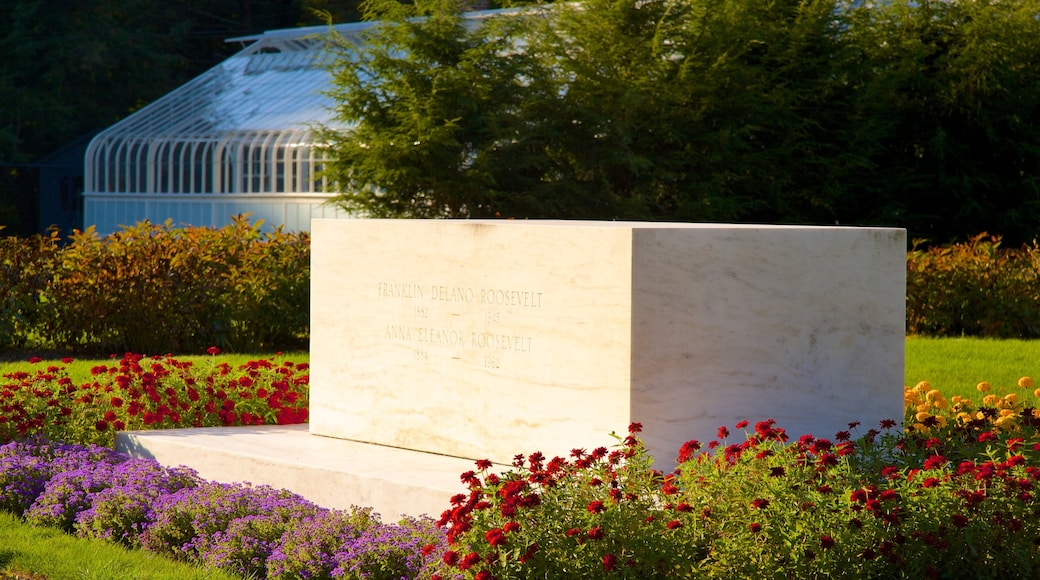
(241, 127)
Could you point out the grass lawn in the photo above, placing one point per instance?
(79, 369)
(52, 554)
(956, 365)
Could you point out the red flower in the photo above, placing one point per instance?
(609, 561)
(722, 433)
(596, 507)
(451, 557)
(934, 462)
(826, 542)
(688, 450)
(483, 464)
(959, 520)
(35, 360)
(469, 560)
(634, 428)
(596, 533)
(483, 575)
(101, 425)
(511, 527)
(755, 528)
(495, 537)
(741, 424)
(760, 503)
(674, 525)
(987, 436)
(214, 351)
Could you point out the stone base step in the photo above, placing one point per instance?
(333, 473)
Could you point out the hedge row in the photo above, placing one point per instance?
(976, 288)
(155, 289)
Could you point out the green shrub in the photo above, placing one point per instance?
(25, 271)
(974, 288)
(157, 288)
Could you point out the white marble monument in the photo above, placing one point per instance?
(486, 339)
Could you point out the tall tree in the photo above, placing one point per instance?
(915, 113)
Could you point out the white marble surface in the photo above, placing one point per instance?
(330, 472)
(483, 339)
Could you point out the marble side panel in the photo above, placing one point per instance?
(801, 325)
(488, 339)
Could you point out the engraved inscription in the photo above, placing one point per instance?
(460, 323)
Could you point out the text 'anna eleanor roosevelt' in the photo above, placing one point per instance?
(485, 296)
(452, 337)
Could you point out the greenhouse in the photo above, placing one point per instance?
(237, 139)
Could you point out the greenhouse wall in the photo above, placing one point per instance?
(109, 213)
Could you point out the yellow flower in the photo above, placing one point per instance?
(923, 387)
(982, 387)
(1011, 398)
(922, 415)
(923, 407)
(964, 418)
(1008, 412)
(1036, 393)
(939, 403)
(990, 400)
(1005, 421)
(1025, 382)
(942, 420)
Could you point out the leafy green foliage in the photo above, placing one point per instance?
(25, 270)
(974, 288)
(157, 288)
(916, 114)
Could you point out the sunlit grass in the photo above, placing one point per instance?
(79, 368)
(956, 365)
(53, 554)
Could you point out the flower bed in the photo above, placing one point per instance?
(951, 493)
(256, 532)
(159, 392)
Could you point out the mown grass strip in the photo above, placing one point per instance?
(956, 365)
(49, 553)
(79, 369)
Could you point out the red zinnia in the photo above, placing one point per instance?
(495, 537)
(674, 525)
(469, 560)
(451, 557)
(596, 507)
(826, 542)
(760, 503)
(609, 561)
